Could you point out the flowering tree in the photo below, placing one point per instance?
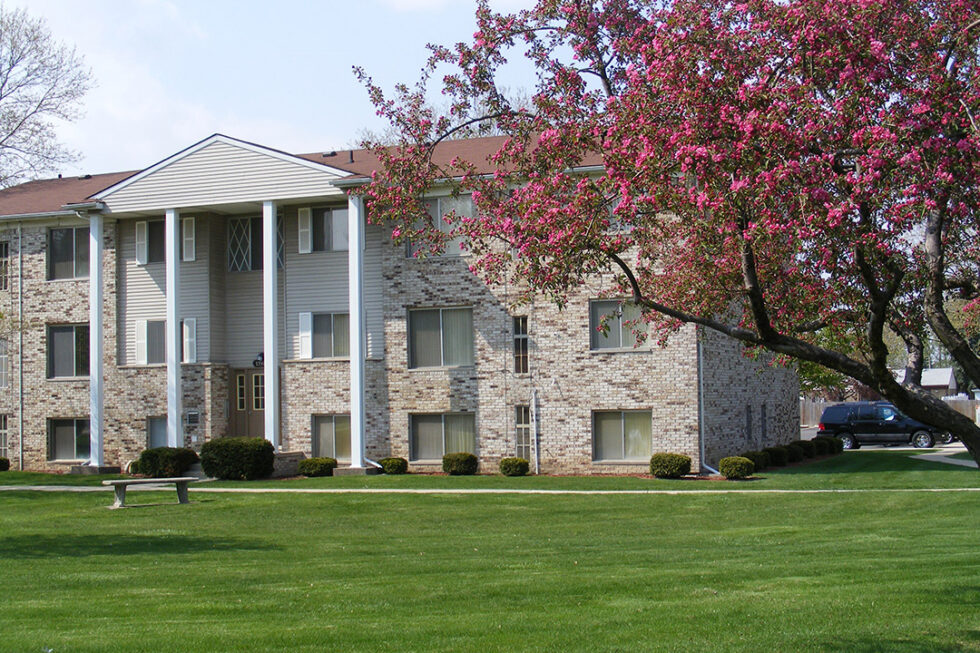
(799, 175)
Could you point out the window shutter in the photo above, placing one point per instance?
(190, 244)
(141, 248)
(305, 216)
(141, 341)
(190, 340)
(306, 335)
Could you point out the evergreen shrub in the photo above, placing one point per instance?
(238, 458)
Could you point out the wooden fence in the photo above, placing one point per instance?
(810, 411)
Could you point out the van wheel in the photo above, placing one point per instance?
(922, 440)
(849, 441)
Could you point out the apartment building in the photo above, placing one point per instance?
(233, 289)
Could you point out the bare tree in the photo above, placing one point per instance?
(41, 81)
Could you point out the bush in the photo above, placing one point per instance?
(809, 449)
(760, 459)
(460, 464)
(823, 446)
(394, 465)
(238, 458)
(320, 466)
(161, 462)
(514, 466)
(4, 464)
(778, 456)
(794, 453)
(735, 467)
(670, 465)
(836, 444)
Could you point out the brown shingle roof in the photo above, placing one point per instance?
(50, 195)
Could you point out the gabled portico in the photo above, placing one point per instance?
(221, 176)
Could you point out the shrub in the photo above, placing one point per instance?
(4, 464)
(837, 444)
(760, 459)
(823, 446)
(735, 467)
(320, 466)
(794, 453)
(670, 465)
(460, 464)
(809, 449)
(514, 466)
(238, 458)
(778, 456)
(394, 465)
(161, 462)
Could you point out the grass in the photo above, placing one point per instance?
(737, 572)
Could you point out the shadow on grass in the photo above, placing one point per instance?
(869, 462)
(37, 546)
(874, 645)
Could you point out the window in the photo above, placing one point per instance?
(440, 207)
(324, 335)
(245, 244)
(433, 436)
(331, 436)
(322, 230)
(4, 444)
(68, 253)
(151, 241)
(622, 322)
(521, 362)
(4, 365)
(258, 392)
(151, 341)
(68, 439)
(522, 432)
(240, 392)
(622, 435)
(68, 351)
(4, 266)
(156, 432)
(440, 336)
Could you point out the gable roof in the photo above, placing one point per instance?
(932, 377)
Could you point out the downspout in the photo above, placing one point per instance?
(534, 429)
(20, 333)
(704, 465)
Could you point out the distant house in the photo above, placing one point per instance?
(234, 289)
(940, 381)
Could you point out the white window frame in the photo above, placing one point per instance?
(442, 339)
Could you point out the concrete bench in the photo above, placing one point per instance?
(121, 485)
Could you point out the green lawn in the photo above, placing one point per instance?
(875, 571)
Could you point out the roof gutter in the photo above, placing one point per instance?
(84, 206)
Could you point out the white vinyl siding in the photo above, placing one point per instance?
(142, 294)
(222, 173)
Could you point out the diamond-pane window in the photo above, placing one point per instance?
(240, 244)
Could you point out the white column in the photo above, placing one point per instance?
(270, 326)
(355, 277)
(95, 362)
(175, 430)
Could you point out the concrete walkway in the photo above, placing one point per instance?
(269, 490)
(944, 457)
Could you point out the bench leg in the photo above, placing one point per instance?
(120, 496)
(182, 492)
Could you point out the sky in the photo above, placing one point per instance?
(169, 73)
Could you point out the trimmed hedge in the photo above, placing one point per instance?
(670, 465)
(514, 466)
(736, 467)
(760, 459)
(778, 456)
(460, 464)
(4, 464)
(238, 458)
(794, 453)
(319, 466)
(809, 449)
(823, 446)
(836, 444)
(394, 465)
(161, 462)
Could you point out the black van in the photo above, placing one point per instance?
(875, 422)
